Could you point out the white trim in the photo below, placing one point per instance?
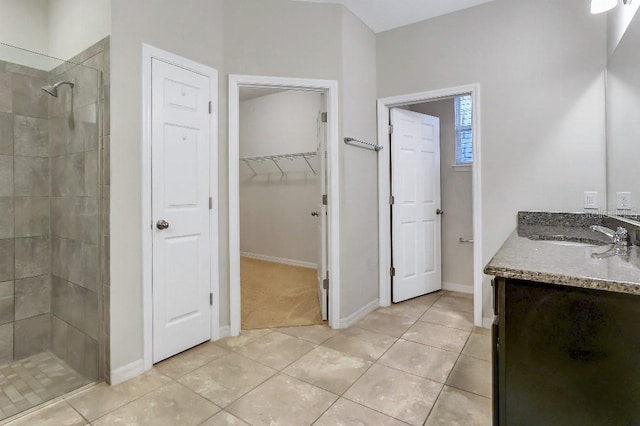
(224, 331)
(284, 261)
(128, 371)
(384, 187)
(149, 53)
(359, 314)
(330, 87)
(458, 288)
(487, 322)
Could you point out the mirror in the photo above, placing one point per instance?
(623, 124)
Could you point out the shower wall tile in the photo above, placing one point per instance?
(59, 337)
(106, 161)
(86, 129)
(90, 266)
(6, 176)
(32, 216)
(89, 221)
(61, 139)
(91, 314)
(91, 368)
(6, 217)
(6, 302)
(67, 175)
(6, 260)
(31, 176)
(67, 260)
(6, 343)
(31, 136)
(59, 297)
(32, 297)
(6, 95)
(28, 96)
(75, 348)
(33, 256)
(91, 173)
(32, 336)
(6, 133)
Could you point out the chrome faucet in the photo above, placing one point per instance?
(619, 237)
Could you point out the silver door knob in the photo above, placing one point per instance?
(439, 211)
(162, 224)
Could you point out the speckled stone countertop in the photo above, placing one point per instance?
(530, 253)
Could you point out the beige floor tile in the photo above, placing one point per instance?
(360, 343)
(224, 419)
(395, 393)
(482, 330)
(170, 405)
(311, 333)
(348, 413)
(424, 361)
(226, 379)
(245, 337)
(58, 414)
(456, 302)
(282, 400)
(101, 399)
(478, 346)
(329, 369)
(449, 318)
(450, 339)
(389, 324)
(472, 375)
(187, 361)
(456, 407)
(412, 308)
(276, 350)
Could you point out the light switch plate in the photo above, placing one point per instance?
(624, 200)
(591, 200)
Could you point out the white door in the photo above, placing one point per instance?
(415, 186)
(323, 293)
(180, 209)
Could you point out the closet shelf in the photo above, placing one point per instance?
(276, 158)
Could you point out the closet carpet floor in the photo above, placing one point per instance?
(277, 295)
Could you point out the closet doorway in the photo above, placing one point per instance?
(283, 197)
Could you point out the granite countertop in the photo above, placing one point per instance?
(529, 254)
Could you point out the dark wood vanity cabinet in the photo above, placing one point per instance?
(565, 355)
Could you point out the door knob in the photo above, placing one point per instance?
(162, 224)
(315, 214)
(439, 211)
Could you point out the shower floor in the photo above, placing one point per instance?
(34, 380)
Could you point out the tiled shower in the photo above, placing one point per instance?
(52, 240)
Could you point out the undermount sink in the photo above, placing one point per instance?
(568, 243)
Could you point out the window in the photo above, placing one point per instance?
(464, 133)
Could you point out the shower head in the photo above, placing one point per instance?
(52, 89)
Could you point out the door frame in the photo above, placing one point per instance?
(330, 88)
(148, 54)
(384, 188)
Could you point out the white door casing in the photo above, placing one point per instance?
(415, 186)
(180, 140)
(322, 219)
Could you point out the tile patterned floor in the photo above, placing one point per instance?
(418, 362)
(34, 380)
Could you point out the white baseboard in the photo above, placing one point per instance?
(358, 315)
(127, 372)
(460, 288)
(487, 322)
(291, 262)
(225, 331)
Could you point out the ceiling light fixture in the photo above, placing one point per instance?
(600, 6)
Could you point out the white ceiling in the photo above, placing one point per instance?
(383, 15)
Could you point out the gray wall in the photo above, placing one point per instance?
(457, 200)
(540, 65)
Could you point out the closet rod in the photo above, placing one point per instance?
(371, 146)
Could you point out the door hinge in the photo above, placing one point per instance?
(211, 299)
(392, 200)
(392, 271)
(325, 200)
(390, 129)
(325, 282)
(210, 203)
(210, 107)
(323, 117)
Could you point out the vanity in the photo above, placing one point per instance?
(566, 335)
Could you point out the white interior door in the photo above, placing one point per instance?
(180, 209)
(415, 186)
(323, 293)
